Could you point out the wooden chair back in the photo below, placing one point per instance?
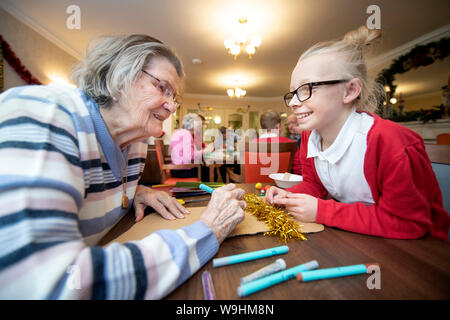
(166, 167)
(443, 138)
(260, 159)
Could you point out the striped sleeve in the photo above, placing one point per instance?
(43, 254)
(41, 191)
(147, 269)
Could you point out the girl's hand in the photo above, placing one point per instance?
(273, 193)
(301, 206)
(168, 207)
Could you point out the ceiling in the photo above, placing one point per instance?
(197, 28)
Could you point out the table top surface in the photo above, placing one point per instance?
(409, 269)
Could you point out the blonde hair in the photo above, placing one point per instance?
(351, 49)
(112, 64)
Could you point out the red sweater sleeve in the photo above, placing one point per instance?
(311, 183)
(406, 187)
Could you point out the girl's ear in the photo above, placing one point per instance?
(352, 90)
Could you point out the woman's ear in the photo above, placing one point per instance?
(352, 90)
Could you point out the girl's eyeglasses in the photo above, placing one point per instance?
(304, 92)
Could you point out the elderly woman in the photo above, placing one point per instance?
(70, 160)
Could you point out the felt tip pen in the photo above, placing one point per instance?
(208, 287)
(218, 262)
(266, 282)
(206, 188)
(274, 267)
(333, 272)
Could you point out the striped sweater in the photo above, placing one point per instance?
(60, 193)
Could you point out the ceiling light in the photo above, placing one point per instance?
(236, 92)
(241, 42)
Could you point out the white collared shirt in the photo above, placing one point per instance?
(341, 167)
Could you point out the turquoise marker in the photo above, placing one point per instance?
(218, 262)
(206, 188)
(260, 284)
(333, 272)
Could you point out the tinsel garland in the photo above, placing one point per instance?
(16, 64)
(280, 223)
(420, 55)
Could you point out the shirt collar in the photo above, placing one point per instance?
(115, 157)
(335, 152)
(268, 135)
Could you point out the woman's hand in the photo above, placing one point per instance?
(301, 206)
(274, 192)
(168, 207)
(224, 211)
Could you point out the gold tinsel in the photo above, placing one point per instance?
(281, 225)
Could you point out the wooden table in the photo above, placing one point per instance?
(410, 269)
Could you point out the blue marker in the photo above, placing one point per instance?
(260, 284)
(206, 188)
(218, 262)
(333, 272)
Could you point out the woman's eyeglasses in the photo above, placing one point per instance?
(304, 92)
(166, 90)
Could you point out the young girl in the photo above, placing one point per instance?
(376, 172)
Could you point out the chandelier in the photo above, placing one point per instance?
(242, 42)
(236, 92)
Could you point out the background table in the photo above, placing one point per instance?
(217, 159)
(410, 269)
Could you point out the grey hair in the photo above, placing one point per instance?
(352, 65)
(191, 121)
(112, 64)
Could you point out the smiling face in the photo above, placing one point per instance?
(146, 107)
(325, 110)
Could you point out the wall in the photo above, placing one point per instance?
(428, 131)
(424, 101)
(41, 57)
(224, 106)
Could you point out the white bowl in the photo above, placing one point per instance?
(284, 183)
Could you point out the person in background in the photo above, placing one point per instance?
(270, 122)
(70, 162)
(220, 140)
(223, 141)
(186, 145)
(293, 128)
(295, 135)
(200, 144)
(376, 172)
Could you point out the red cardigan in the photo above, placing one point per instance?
(408, 200)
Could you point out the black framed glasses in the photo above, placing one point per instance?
(304, 92)
(166, 90)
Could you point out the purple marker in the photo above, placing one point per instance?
(208, 287)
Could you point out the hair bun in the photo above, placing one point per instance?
(362, 36)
